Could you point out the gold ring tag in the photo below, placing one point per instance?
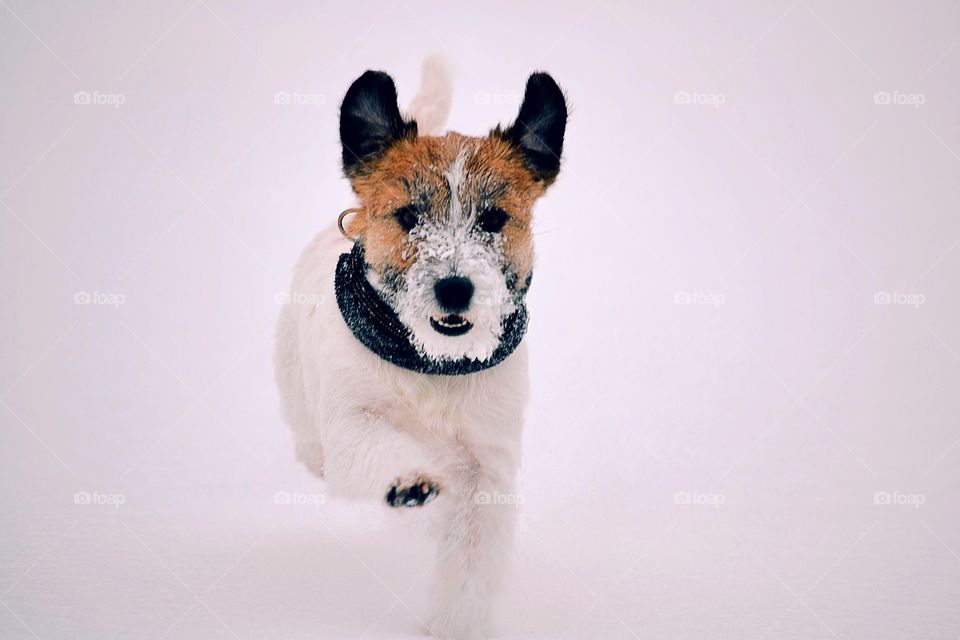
(340, 218)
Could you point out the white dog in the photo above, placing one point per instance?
(413, 386)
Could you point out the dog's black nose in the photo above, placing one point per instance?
(453, 293)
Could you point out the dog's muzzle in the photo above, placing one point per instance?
(375, 324)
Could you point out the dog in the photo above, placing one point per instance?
(411, 389)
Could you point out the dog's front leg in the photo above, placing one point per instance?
(474, 551)
(368, 458)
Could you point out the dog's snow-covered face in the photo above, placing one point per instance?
(445, 221)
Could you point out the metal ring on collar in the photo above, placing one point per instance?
(340, 218)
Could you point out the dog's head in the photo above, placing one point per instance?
(446, 221)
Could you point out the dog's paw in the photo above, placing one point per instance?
(412, 493)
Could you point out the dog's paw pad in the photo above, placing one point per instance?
(416, 494)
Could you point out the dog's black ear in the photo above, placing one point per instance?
(370, 121)
(539, 127)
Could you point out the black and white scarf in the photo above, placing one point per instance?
(375, 324)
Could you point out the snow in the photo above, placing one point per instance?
(745, 345)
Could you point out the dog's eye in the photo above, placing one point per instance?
(407, 216)
(492, 220)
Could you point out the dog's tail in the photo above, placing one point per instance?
(431, 106)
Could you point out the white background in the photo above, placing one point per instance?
(779, 202)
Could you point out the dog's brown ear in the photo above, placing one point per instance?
(540, 125)
(370, 121)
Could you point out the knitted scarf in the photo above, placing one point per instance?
(375, 324)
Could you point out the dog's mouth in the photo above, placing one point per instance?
(451, 325)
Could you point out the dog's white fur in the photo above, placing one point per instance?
(366, 425)
(431, 106)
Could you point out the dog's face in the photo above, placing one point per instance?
(446, 221)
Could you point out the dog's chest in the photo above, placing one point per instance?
(440, 404)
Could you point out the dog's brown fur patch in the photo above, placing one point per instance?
(413, 171)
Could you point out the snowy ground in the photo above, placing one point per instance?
(720, 399)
